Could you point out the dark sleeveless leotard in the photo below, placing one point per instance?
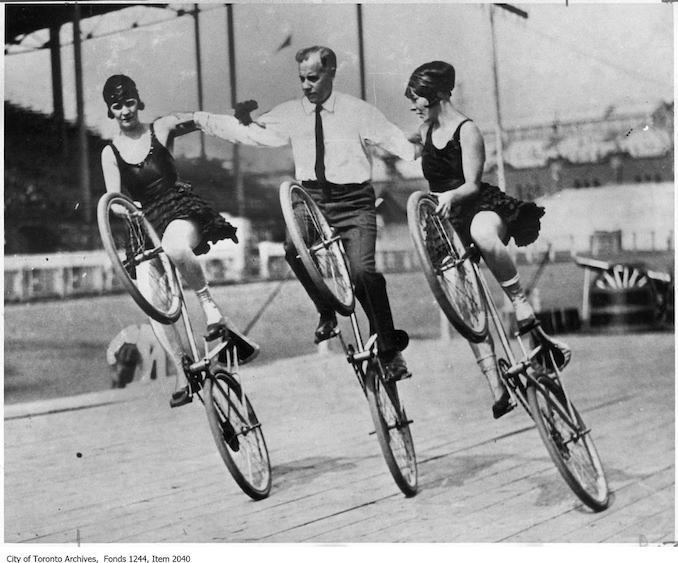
(164, 197)
(443, 170)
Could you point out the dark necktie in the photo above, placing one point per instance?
(319, 146)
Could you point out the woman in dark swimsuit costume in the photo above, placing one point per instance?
(453, 155)
(138, 161)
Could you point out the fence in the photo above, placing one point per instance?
(65, 275)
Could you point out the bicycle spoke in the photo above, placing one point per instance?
(458, 282)
(569, 442)
(250, 458)
(399, 441)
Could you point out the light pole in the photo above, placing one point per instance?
(198, 64)
(236, 171)
(361, 50)
(499, 133)
(83, 150)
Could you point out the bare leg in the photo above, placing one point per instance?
(169, 339)
(487, 361)
(488, 231)
(180, 238)
(166, 334)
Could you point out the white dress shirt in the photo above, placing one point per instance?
(349, 126)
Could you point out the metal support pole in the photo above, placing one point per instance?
(57, 86)
(198, 64)
(237, 171)
(501, 178)
(361, 51)
(83, 152)
(585, 308)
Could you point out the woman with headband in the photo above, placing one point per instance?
(138, 161)
(453, 156)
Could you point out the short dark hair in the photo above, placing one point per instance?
(431, 78)
(328, 58)
(117, 88)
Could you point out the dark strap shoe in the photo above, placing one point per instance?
(181, 398)
(326, 326)
(395, 368)
(503, 405)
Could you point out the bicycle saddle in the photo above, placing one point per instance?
(247, 349)
(555, 354)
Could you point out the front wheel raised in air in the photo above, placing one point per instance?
(237, 433)
(393, 430)
(138, 259)
(454, 284)
(569, 443)
(320, 250)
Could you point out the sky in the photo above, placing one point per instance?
(562, 62)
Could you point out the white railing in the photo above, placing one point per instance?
(65, 275)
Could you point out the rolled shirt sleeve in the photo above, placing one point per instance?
(267, 131)
(381, 132)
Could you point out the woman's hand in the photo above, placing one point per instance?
(446, 201)
(119, 210)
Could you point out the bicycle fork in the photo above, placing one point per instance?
(360, 353)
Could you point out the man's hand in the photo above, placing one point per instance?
(243, 110)
(445, 202)
(415, 138)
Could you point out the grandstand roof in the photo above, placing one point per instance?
(21, 19)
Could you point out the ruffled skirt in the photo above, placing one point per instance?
(180, 202)
(522, 218)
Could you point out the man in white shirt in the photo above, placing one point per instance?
(329, 133)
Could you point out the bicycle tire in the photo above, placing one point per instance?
(393, 431)
(137, 258)
(566, 450)
(457, 290)
(237, 433)
(324, 261)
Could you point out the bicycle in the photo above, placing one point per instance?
(322, 254)
(534, 378)
(140, 263)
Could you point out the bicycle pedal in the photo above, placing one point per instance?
(215, 332)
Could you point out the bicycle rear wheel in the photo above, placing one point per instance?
(321, 252)
(456, 288)
(569, 443)
(138, 259)
(237, 433)
(393, 431)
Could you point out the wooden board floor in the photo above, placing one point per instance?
(121, 466)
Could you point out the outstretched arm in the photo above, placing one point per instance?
(267, 131)
(173, 125)
(380, 131)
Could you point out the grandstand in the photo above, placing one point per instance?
(41, 193)
(42, 198)
(42, 212)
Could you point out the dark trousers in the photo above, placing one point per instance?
(351, 211)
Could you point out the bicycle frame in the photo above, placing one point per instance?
(523, 367)
(365, 352)
(198, 369)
